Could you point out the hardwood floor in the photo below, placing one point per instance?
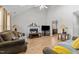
(36, 45)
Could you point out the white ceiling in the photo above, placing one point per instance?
(17, 9)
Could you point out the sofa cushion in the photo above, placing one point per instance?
(16, 33)
(7, 36)
(48, 50)
(62, 50)
(75, 43)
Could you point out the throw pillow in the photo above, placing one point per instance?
(6, 36)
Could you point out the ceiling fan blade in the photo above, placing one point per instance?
(46, 7)
(41, 6)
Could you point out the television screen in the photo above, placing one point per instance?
(45, 28)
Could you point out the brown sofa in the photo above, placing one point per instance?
(11, 43)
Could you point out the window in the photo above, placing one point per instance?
(8, 21)
(1, 20)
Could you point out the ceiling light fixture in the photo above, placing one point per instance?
(41, 6)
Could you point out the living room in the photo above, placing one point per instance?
(43, 27)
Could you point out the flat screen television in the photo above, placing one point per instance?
(45, 28)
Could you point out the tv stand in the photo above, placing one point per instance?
(45, 33)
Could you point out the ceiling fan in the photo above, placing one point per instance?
(41, 6)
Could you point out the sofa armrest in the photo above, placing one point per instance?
(12, 43)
